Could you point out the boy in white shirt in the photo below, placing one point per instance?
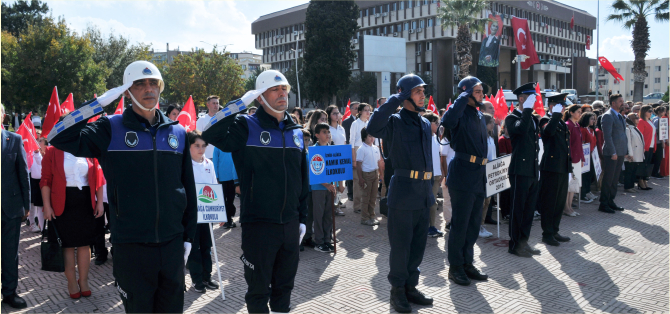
(434, 125)
(446, 156)
(369, 168)
(200, 260)
(491, 155)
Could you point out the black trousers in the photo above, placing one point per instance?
(11, 229)
(200, 259)
(350, 189)
(611, 171)
(309, 223)
(270, 257)
(150, 277)
(630, 174)
(229, 198)
(466, 218)
(408, 233)
(524, 198)
(99, 246)
(553, 193)
(656, 160)
(388, 173)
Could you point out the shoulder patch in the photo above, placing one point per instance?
(173, 141)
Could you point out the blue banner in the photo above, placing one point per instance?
(330, 164)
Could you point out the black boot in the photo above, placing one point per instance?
(473, 273)
(417, 297)
(457, 275)
(399, 300)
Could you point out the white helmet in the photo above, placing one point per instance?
(271, 78)
(140, 70)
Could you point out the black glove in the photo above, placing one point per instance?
(404, 95)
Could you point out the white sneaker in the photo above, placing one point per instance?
(483, 233)
(35, 229)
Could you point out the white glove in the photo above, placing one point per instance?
(303, 230)
(187, 251)
(112, 94)
(557, 108)
(530, 102)
(250, 96)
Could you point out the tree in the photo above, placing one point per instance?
(634, 13)
(464, 15)
(9, 54)
(364, 85)
(115, 52)
(16, 17)
(250, 83)
(329, 25)
(201, 74)
(48, 55)
(666, 96)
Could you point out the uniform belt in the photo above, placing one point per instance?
(414, 174)
(471, 158)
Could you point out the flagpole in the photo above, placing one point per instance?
(597, 71)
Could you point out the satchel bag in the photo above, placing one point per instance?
(52, 252)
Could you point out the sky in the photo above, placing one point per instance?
(227, 23)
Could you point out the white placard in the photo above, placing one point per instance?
(211, 207)
(663, 129)
(586, 148)
(576, 173)
(596, 164)
(497, 176)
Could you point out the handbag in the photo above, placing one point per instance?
(52, 252)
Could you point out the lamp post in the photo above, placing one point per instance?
(296, 75)
(518, 59)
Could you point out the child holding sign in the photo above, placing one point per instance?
(200, 260)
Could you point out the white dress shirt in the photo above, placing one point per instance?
(369, 156)
(76, 171)
(36, 168)
(203, 172)
(338, 135)
(355, 132)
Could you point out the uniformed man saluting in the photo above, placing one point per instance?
(147, 164)
(410, 195)
(524, 130)
(270, 159)
(466, 179)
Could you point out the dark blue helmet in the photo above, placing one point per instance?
(467, 84)
(409, 82)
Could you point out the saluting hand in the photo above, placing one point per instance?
(530, 102)
(557, 108)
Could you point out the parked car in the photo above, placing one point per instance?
(653, 96)
(572, 95)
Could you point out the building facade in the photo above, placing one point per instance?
(657, 81)
(249, 62)
(431, 48)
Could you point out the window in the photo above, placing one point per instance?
(402, 5)
(374, 10)
(430, 22)
(658, 68)
(418, 67)
(429, 66)
(406, 26)
(657, 80)
(365, 13)
(429, 46)
(417, 46)
(631, 93)
(395, 6)
(413, 24)
(646, 86)
(422, 24)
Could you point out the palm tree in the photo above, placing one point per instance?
(634, 13)
(463, 14)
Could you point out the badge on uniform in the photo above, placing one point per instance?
(265, 138)
(173, 141)
(296, 140)
(131, 139)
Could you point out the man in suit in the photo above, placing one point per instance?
(15, 199)
(524, 130)
(615, 149)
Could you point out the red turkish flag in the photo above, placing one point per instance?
(610, 68)
(539, 104)
(52, 115)
(68, 104)
(187, 116)
(524, 42)
(511, 107)
(572, 22)
(448, 105)
(431, 105)
(120, 108)
(500, 105)
(28, 135)
(588, 42)
(347, 112)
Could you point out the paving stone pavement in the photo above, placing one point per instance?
(615, 263)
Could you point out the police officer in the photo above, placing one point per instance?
(269, 155)
(524, 130)
(147, 164)
(555, 168)
(466, 179)
(408, 137)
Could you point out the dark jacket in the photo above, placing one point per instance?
(346, 124)
(524, 130)
(556, 142)
(149, 175)
(271, 163)
(15, 183)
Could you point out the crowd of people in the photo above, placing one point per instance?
(133, 176)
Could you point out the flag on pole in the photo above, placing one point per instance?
(52, 115)
(500, 105)
(610, 68)
(68, 105)
(539, 104)
(120, 107)
(511, 107)
(28, 134)
(431, 105)
(347, 112)
(524, 42)
(588, 42)
(572, 22)
(187, 116)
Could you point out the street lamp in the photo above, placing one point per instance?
(518, 60)
(296, 76)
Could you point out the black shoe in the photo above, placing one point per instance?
(605, 209)
(490, 221)
(473, 273)
(520, 252)
(302, 248)
(15, 301)
(616, 207)
(308, 242)
(531, 250)
(399, 300)
(457, 274)
(226, 225)
(323, 248)
(561, 238)
(199, 288)
(233, 225)
(100, 260)
(330, 246)
(211, 285)
(550, 241)
(448, 227)
(417, 297)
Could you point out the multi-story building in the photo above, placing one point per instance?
(657, 81)
(431, 48)
(249, 62)
(167, 55)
